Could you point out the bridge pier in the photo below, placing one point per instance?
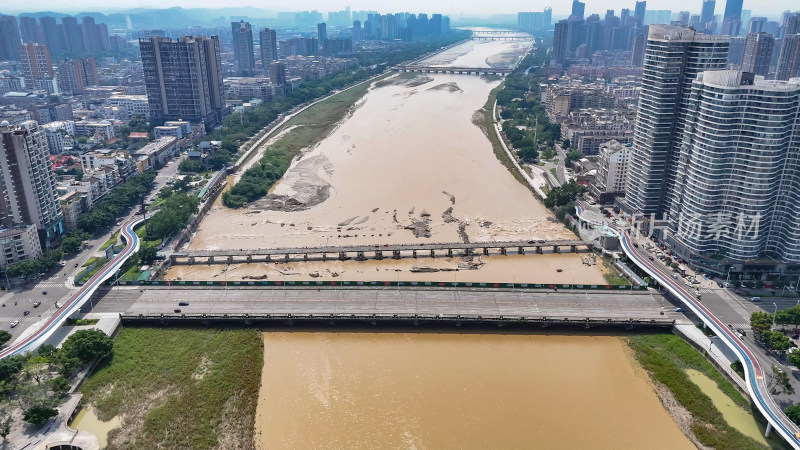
(449, 252)
(520, 251)
(555, 249)
(286, 257)
(360, 256)
(467, 252)
(324, 256)
(342, 256)
(573, 248)
(249, 258)
(268, 258)
(191, 260)
(503, 251)
(414, 254)
(538, 249)
(396, 254)
(305, 256)
(433, 255)
(230, 260)
(485, 250)
(378, 255)
(210, 260)
(769, 429)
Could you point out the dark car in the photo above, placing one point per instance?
(177, 310)
(36, 304)
(26, 312)
(44, 292)
(720, 285)
(183, 303)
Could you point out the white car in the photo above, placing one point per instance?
(14, 323)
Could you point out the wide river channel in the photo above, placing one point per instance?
(427, 390)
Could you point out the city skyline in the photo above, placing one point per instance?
(451, 7)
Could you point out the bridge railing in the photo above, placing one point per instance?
(387, 284)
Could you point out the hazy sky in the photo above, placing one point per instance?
(452, 7)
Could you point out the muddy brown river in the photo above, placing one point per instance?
(433, 391)
(408, 165)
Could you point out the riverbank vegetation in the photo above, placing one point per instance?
(666, 357)
(257, 180)
(33, 385)
(525, 124)
(306, 129)
(180, 388)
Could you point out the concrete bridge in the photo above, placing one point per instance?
(502, 38)
(453, 70)
(364, 252)
(496, 32)
(457, 320)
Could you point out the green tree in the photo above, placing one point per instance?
(36, 368)
(564, 194)
(794, 358)
(566, 143)
(528, 154)
(190, 165)
(573, 155)
(147, 254)
(88, 345)
(22, 268)
(761, 322)
(39, 415)
(174, 214)
(66, 364)
(793, 413)
(73, 240)
(47, 350)
(59, 385)
(11, 366)
(5, 336)
(778, 341)
(6, 419)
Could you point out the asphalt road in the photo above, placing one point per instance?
(735, 310)
(385, 301)
(56, 283)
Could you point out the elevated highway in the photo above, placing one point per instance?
(32, 339)
(754, 374)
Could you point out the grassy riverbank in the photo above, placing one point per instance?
(666, 357)
(306, 129)
(180, 388)
(485, 122)
(315, 123)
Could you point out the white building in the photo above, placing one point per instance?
(94, 160)
(184, 125)
(103, 129)
(136, 105)
(59, 136)
(611, 172)
(18, 244)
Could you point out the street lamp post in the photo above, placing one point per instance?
(776, 313)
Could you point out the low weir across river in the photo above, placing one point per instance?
(364, 252)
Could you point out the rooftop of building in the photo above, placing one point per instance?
(675, 33)
(157, 145)
(746, 80)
